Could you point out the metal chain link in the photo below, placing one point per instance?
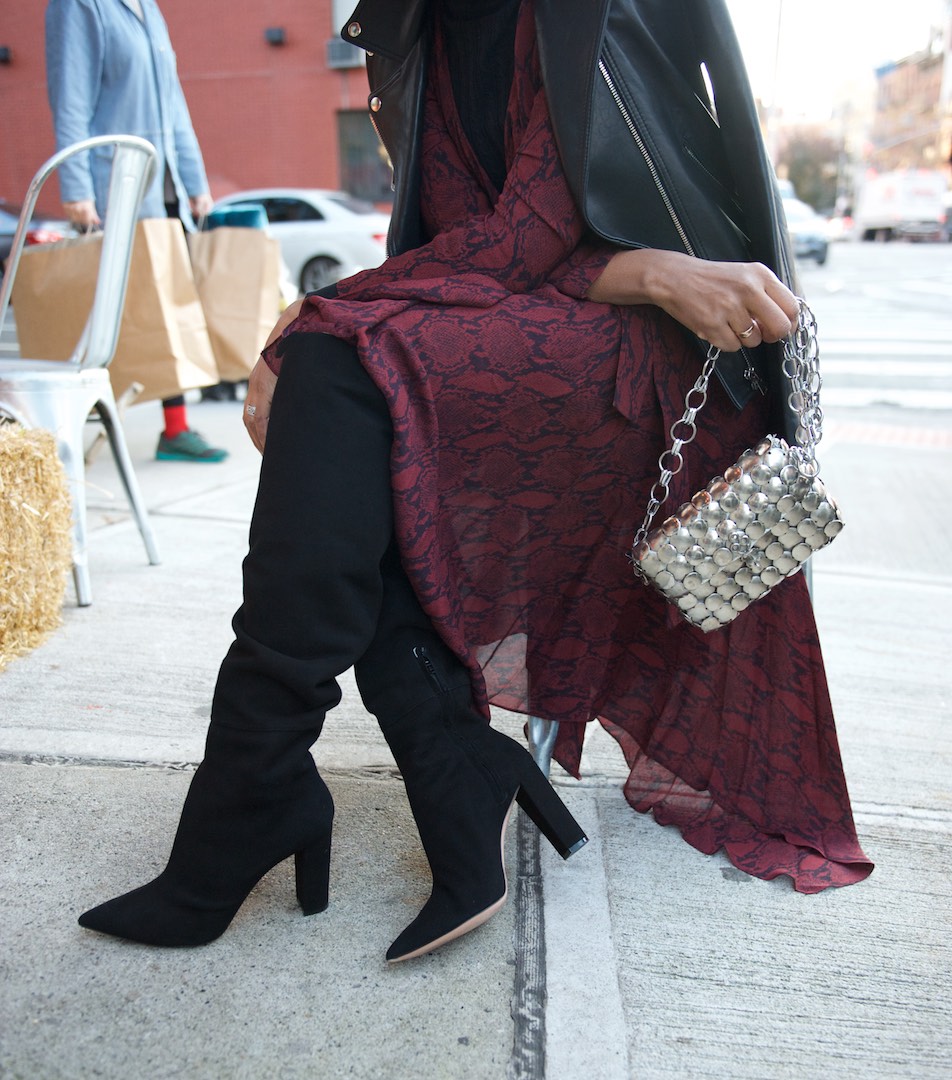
(659, 491)
(801, 365)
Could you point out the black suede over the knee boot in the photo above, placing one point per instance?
(462, 776)
(237, 823)
(312, 593)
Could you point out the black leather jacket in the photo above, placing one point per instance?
(630, 86)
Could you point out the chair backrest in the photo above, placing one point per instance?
(132, 167)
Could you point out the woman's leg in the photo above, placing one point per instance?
(178, 442)
(312, 594)
(461, 775)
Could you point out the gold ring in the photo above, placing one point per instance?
(750, 329)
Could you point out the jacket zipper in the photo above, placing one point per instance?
(373, 124)
(393, 171)
(652, 168)
(750, 372)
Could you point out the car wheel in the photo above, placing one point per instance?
(319, 272)
(821, 257)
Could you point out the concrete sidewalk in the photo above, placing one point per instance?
(651, 961)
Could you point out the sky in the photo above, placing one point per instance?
(825, 44)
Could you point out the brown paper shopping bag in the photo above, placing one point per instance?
(163, 338)
(52, 294)
(237, 272)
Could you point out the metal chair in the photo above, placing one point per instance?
(542, 736)
(60, 395)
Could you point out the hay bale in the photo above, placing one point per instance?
(35, 539)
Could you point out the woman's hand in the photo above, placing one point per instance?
(82, 214)
(728, 304)
(201, 205)
(261, 384)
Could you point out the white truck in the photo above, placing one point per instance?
(907, 204)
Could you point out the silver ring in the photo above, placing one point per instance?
(750, 329)
(250, 410)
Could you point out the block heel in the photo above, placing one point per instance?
(551, 816)
(312, 868)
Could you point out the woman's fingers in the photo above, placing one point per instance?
(750, 337)
(775, 318)
(787, 301)
(261, 383)
(257, 412)
(744, 305)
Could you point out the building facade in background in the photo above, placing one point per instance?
(910, 128)
(899, 120)
(276, 96)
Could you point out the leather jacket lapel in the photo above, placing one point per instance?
(390, 28)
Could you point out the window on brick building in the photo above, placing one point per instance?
(340, 53)
(364, 168)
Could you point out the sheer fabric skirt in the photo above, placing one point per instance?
(527, 438)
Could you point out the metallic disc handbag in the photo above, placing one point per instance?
(756, 524)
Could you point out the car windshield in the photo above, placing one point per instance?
(354, 205)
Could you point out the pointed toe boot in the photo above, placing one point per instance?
(462, 778)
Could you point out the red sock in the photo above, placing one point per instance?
(175, 422)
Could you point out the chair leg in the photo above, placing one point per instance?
(70, 440)
(109, 414)
(126, 398)
(542, 735)
(84, 589)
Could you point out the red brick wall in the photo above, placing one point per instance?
(264, 115)
(26, 133)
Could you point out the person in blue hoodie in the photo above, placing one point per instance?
(110, 68)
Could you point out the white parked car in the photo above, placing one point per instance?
(324, 235)
(809, 233)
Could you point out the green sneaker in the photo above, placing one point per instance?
(188, 446)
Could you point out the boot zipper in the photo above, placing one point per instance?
(429, 668)
(750, 374)
(470, 746)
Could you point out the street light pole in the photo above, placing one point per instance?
(773, 110)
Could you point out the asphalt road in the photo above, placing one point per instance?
(885, 327)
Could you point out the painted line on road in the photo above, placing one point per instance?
(860, 397)
(896, 347)
(884, 434)
(902, 368)
(932, 819)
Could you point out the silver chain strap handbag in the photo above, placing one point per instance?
(757, 524)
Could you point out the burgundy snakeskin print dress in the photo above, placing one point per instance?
(528, 423)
